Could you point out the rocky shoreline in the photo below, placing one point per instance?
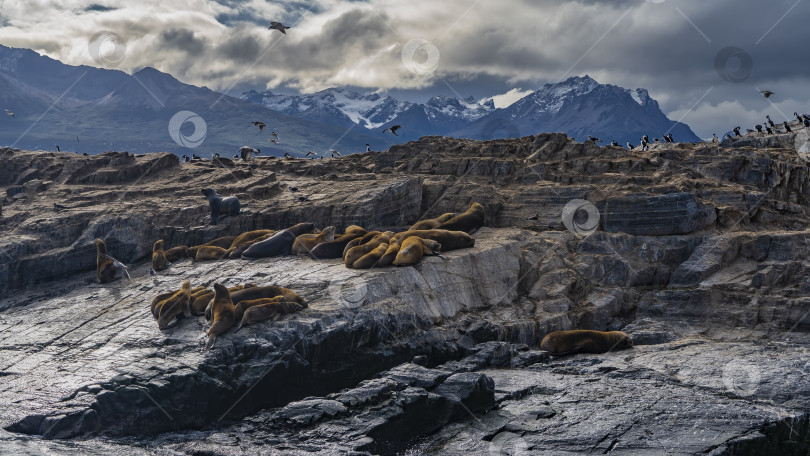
(699, 254)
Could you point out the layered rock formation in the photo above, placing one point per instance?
(697, 252)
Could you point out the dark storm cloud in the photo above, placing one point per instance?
(183, 40)
(97, 7)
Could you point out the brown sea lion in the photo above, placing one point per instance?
(211, 253)
(222, 313)
(353, 229)
(429, 224)
(105, 270)
(335, 248)
(175, 253)
(174, 306)
(251, 293)
(370, 259)
(245, 305)
(304, 243)
(224, 242)
(360, 241)
(388, 257)
(469, 221)
(249, 237)
(413, 249)
(450, 240)
(238, 251)
(155, 308)
(560, 343)
(356, 252)
(200, 301)
(159, 261)
(272, 311)
(278, 244)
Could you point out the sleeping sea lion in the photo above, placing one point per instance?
(251, 293)
(356, 252)
(413, 249)
(224, 242)
(560, 343)
(211, 253)
(155, 308)
(249, 237)
(304, 243)
(238, 251)
(388, 257)
(245, 305)
(199, 301)
(221, 207)
(273, 310)
(370, 259)
(335, 248)
(222, 313)
(175, 253)
(278, 244)
(360, 241)
(429, 224)
(174, 306)
(450, 240)
(469, 221)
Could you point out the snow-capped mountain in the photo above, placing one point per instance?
(578, 106)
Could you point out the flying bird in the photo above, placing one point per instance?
(273, 140)
(278, 26)
(9, 113)
(274, 134)
(766, 93)
(261, 125)
(334, 152)
(393, 129)
(311, 153)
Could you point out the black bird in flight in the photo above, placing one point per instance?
(766, 93)
(278, 26)
(261, 125)
(393, 129)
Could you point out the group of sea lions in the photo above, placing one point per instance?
(223, 307)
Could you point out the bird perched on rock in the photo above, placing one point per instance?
(629, 146)
(736, 131)
(9, 113)
(671, 139)
(334, 153)
(787, 127)
(766, 93)
(278, 26)
(614, 143)
(393, 129)
(293, 189)
(758, 127)
(368, 148)
(185, 157)
(769, 130)
(715, 139)
(287, 155)
(594, 140)
(261, 125)
(534, 217)
(246, 151)
(303, 198)
(770, 122)
(195, 157)
(311, 153)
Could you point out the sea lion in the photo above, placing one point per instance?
(159, 261)
(238, 251)
(469, 221)
(389, 256)
(273, 310)
(251, 293)
(224, 242)
(175, 253)
(335, 248)
(429, 224)
(306, 242)
(560, 343)
(354, 229)
(278, 244)
(222, 313)
(155, 308)
(245, 305)
(249, 237)
(450, 240)
(360, 241)
(356, 252)
(107, 267)
(370, 259)
(413, 249)
(211, 253)
(174, 306)
(200, 301)
(221, 207)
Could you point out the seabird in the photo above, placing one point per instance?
(656, 140)
(768, 129)
(666, 139)
(334, 152)
(273, 140)
(645, 138)
(59, 207)
(672, 140)
(798, 117)
(736, 131)
(185, 157)
(806, 123)
(303, 198)
(715, 140)
(614, 143)
(195, 157)
(57, 148)
(728, 135)
(287, 155)
(749, 131)
(311, 153)
(758, 127)
(293, 189)
(534, 217)
(393, 129)
(595, 140)
(368, 148)
(234, 157)
(216, 155)
(770, 122)
(274, 134)
(261, 125)
(629, 146)
(9, 113)
(766, 93)
(278, 26)
(787, 128)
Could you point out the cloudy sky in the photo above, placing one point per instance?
(704, 61)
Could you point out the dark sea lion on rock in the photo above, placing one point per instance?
(249, 237)
(211, 253)
(222, 313)
(450, 240)
(278, 244)
(335, 248)
(413, 249)
(306, 242)
(221, 207)
(272, 311)
(238, 251)
(174, 306)
(370, 259)
(429, 224)
(560, 343)
(469, 221)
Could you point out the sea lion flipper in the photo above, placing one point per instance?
(211, 340)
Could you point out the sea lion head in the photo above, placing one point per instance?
(624, 341)
(220, 291)
(434, 246)
(158, 245)
(186, 286)
(209, 192)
